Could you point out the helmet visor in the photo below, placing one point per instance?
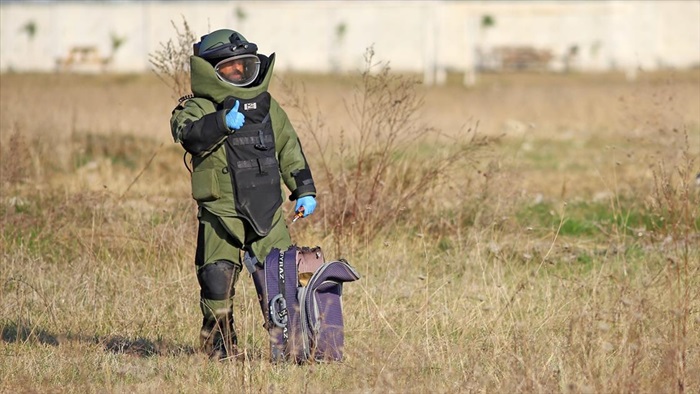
(238, 70)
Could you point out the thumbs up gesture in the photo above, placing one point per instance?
(234, 119)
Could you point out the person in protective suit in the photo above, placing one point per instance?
(242, 146)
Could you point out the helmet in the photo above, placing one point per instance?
(234, 59)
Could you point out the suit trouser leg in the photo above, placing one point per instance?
(218, 263)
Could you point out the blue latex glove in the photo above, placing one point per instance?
(234, 119)
(308, 203)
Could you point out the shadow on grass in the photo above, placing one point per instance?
(12, 332)
(138, 347)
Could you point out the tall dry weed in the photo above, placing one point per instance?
(16, 159)
(384, 167)
(676, 203)
(171, 62)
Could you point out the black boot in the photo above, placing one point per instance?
(218, 338)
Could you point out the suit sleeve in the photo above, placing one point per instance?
(294, 168)
(199, 133)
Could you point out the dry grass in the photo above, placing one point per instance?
(564, 260)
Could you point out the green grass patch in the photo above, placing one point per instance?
(588, 219)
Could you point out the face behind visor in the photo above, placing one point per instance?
(234, 59)
(238, 70)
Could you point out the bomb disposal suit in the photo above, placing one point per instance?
(242, 146)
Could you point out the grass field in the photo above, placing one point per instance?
(533, 233)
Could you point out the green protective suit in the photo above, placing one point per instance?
(226, 222)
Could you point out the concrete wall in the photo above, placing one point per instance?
(420, 36)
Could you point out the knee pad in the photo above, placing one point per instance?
(216, 279)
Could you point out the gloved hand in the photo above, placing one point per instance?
(234, 119)
(308, 203)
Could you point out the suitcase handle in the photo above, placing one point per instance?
(278, 311)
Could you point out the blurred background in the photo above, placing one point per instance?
(537, 230)
(429, 37)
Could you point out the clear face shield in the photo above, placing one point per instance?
(238, 70)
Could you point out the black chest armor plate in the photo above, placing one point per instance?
(253, 165)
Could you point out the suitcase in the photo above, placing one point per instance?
(300, 296)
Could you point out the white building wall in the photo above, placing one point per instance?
(419, 36)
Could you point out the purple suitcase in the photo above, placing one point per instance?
(303, 315)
